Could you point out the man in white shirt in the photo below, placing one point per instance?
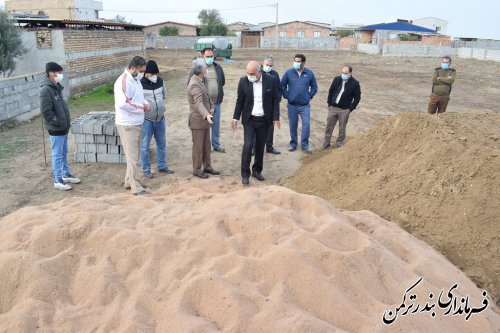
(130, 106)
(257, 105)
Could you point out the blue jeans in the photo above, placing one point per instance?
(158, 129)
(304, 111)
(59, 146)
(216, 127)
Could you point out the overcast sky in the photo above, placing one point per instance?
(466, 18)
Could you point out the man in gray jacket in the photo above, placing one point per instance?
(154, 120)
(57, 120)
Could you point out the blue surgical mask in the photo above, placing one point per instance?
(209, 61)
(296, 65)
(267, 68)
(445, 65)
(345, 77)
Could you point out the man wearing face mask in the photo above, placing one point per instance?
(57, 120)
(130, 106)
(442, 79)
(154, 120)
(257, 105)
(343, 98)
(214, 81)
(267, 67)
(299, 87)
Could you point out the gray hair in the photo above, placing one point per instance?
(269, 58)
(199, 66)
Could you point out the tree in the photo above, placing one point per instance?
(11, 45)
(344, 33)
(169, 31)
(120, 19)
(211, 23)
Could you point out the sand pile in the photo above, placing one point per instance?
(211, 256)
(437, 176)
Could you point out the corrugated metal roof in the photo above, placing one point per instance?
(397, 26)
(76, 22)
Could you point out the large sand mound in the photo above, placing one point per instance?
(437, 176)
(215, 257)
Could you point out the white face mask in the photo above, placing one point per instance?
(139, 76)
(59, 77)
(252, 78)
(153, 78)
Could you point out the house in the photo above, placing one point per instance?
(438, 25)
(251, 37)
(239, 26)
(184, 29)
(299, 29)
(390, 31)
(80, 10)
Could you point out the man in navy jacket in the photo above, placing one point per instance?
(299, 87)
(343, 97)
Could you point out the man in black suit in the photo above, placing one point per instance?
(258, 106)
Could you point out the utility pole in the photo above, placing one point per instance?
(277, 31)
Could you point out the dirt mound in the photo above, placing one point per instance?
(206, 258)
(437, 176)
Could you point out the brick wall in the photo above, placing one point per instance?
(98, 57)
(292, 28)
(183, 29)
(426, 40)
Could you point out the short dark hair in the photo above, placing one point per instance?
(348, 66)
(447, 57)
(137, 62)
(205, 50)
(301, 56)
(52, 67)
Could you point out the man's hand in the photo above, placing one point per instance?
(276, 123)
(212, 111)
(234, 124)
(147, 107)
(209, 118)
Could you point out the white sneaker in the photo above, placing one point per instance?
(62, 186)
(71, 179)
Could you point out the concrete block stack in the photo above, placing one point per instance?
(96, 139)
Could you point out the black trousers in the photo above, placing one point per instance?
(254, 130)
(269, 139)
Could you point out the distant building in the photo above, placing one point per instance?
(251, 37)
(239, 26)
(184, 29)
(390, 31)
(300, 29)
(438, 25)
(81, 10)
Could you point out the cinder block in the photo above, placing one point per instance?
(118, 142)
(80, 148)
(111, 140)
(102, 148)
(79, 138)
(123, 159)
(89, 138)
(88, 126)
(79, 157)
(100, 138)
(97, 129)
(112, 149)
(108, 158)
(91, 148)
(90, 157)
(109, 128)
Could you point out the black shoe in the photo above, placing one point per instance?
(202, 175)
(292, 148)
(245, 181)
(326, 146)
(212, 172)
(148, 174)
(258, 175)
(220, 150)
(167, 170)
(273, 151)
(307, 150)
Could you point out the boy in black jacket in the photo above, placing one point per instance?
(57, 120)
(343, 98)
